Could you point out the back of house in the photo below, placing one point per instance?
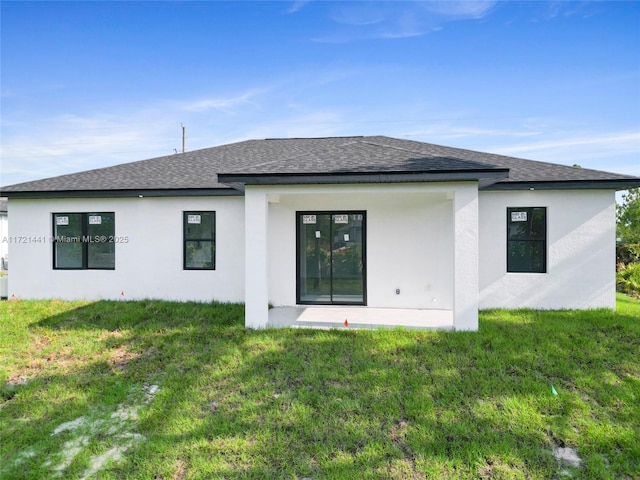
(395, 231)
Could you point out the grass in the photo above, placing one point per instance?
(175, 391)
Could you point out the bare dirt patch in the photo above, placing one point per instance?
(39, 342)
(120, 357)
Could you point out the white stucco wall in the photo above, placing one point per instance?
(409, 244)
(149, 263)
(4, 235)
(580, 251)
(411, 238)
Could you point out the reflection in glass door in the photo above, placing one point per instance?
(331, 257)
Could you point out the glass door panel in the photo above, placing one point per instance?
(346, 258)
(331, 266)
(315, 258)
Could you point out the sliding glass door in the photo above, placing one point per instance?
(331, 258)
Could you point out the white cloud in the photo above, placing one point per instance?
(68, 143)
(357, 16)
(537, 139)
(445, 130)
(460, 9)
(621, 142)
(393, 20)
(614, 151)
(223, 103)
(296, 6)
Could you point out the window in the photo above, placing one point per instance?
(527, 239)
(84, 241)
(199, 240)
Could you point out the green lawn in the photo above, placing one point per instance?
(174, 391)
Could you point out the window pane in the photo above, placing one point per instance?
(200, 254)
(526, 256)
(68, 255)
(67, 229)
(526, 223)
(538, 223)
(101, 255)
(199, 225)
(67, 224)
(517, 230)
(100, 224)
(347, 258)
(100, 248)
(315, 258)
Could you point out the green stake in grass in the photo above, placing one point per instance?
(553, 390)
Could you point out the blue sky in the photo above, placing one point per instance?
(93, 84)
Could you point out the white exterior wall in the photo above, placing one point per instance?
(441, 244)
(580, 251)
(409, 241)
(4, 236)
(149, 263)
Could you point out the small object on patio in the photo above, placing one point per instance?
(346, 322)
(553, 390)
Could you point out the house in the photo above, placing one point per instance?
(365, 229)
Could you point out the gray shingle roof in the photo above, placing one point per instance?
(199, 169)
(360, 155)
(520, 170)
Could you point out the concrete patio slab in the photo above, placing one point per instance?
(327, 317)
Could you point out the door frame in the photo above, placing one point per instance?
(299, 214)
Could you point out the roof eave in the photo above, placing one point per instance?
(128, 193)
(485, 177)
(610, 184)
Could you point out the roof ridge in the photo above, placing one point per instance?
(314, 138)
(394, 147)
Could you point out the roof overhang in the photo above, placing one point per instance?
(613, 184)
(483, 177)
(184, 192)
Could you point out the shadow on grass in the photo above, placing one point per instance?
(234, 403)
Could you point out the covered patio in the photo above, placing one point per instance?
(419, 269)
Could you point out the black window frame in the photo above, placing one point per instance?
(299, 215)
(86, 239)
(529, 238)
(185, 240)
